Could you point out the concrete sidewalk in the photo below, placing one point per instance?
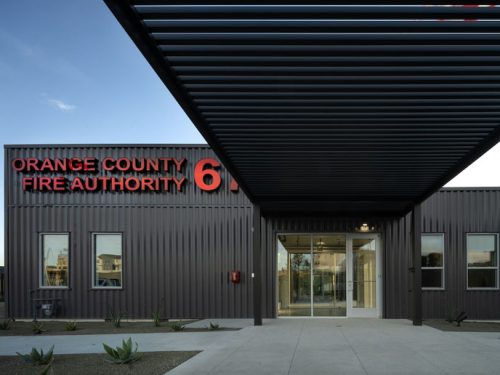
(348, 346)
(304, 346)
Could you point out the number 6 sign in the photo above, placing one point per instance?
(205, 170)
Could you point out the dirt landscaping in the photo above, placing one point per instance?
(18, 328)
(151, 363)
(465, 326)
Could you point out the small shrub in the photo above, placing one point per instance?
(5, 324)
(37, 328)
(124, 354)
(177, 326)
(70, 326)
(38, 357)
(156, 318)
(213, 326)
(115, 317)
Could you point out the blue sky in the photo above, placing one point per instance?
(70, 74)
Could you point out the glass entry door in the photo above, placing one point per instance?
(328, 275)
(363, 276)
(312, 275)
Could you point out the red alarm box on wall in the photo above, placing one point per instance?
(235, 277)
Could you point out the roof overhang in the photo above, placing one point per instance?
(355, 109)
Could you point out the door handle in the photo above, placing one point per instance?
(349, 286)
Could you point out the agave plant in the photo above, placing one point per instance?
(38, 357)
(70, 326)
(37, 328)
(177, 326)
(124, 354)
(213, 326)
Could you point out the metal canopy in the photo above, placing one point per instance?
(356, 109)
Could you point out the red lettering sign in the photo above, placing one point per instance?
(202, 174)
(206, 174)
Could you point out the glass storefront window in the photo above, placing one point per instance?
(107, 260)
(54, 260)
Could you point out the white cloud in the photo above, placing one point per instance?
(59, 104)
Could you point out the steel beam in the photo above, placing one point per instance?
(416, 247)
(257, 267)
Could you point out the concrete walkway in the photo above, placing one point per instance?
(304, 346)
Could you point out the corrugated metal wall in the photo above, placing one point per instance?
(454, 212)
(180, 246)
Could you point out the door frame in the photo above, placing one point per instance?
(358, 312)
(375, 313)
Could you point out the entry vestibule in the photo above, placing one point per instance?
(329, 274)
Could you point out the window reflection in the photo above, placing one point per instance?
(108, 260)
(432, 251)
(482, 262)
(432, 260)
(55, 260)
(481, 250)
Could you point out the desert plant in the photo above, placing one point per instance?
(124, 354)
(47, 370)
(70, 326)
(115, 317)
(156, 318)
(213, 326)
(37, 328)
(38, 357)
(177, 326)
(5, 324)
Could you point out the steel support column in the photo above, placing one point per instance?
(257, 267)
(416, 238)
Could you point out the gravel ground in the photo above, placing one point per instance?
(95, 328)
(466, 326)
(152, 363)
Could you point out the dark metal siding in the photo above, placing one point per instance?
(454, 212)
(397, 260)
(177, 247)
(457, 212)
